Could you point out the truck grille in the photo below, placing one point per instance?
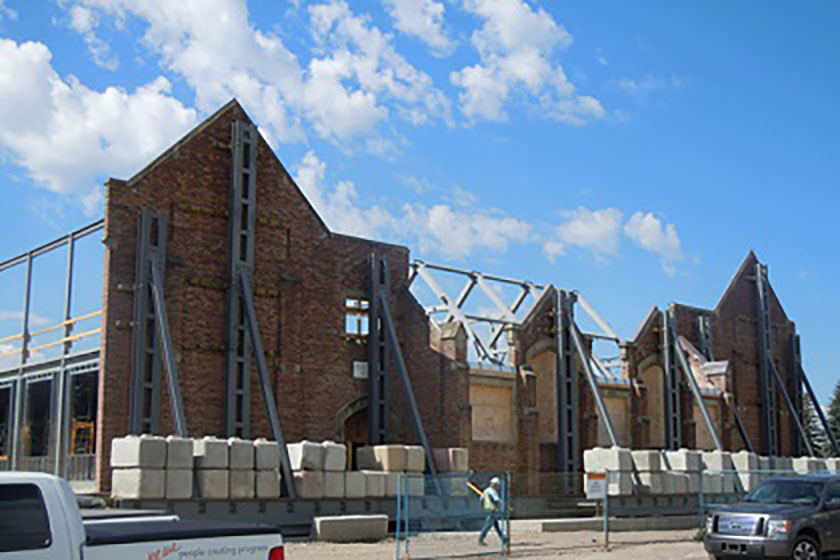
(744, 525)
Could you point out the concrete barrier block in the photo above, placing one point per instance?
(782, 465)
(693, 479)
(138, 484)
(415, 486)
(748, 480)
(334, 484)
(676, 483)
(717, 460)
(451, 459)
(455, 485)
(351, 528)
(387, 458)
(179, 483)
(646, 460)
(179, 453)
(821, 465)
(745, 461)
(764, 467)
(268, 484)
(713, 483)
(335, 456)
(682, 460)
(306, 456)
(649, 482)
(415, 459)
(375, 484)
(240, 454)
(309, 484)
(833, 465)
(213, 484)
(730, 483)
(391, 483)
(805, 465)
(266, 455)
(242, 485)
(620, 484)
(210, 453)
(601, 459)
(355, 485)
(144, 452)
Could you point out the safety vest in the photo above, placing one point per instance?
(487, 500)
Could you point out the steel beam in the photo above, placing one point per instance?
(791, 408)
(769, 400)
(393, 342)
(603, 412)
(19, 383)
(597, 318)
(692, 383)
(741, 429)
(704, 329)
(61, 415)
(379, 357)
(823, 420)
(165, 341)
(671, 386)
(565, 385)
(797, 389)
(47, 247)
(265, 383)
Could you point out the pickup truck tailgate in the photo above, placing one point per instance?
(176, 540)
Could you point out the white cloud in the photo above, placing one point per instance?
(34, 318)
(84, 20)
(515, 46)
(67, 136)
(422, 19)
(641, 88)
(6, 12)
(649, 233)
(595, 230)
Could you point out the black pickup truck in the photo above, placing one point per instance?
(786, 517)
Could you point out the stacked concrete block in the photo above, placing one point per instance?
(309, 484)
(618, 461)
(179, 468)
(451, 459)
(334, 484)
(415, 486)
(267, 464)
(392, 484)
(355, 485)
(781, 465)
(833, 465)
(242, 484)
(747, 464)
(375, 482)
(211, 459)
(306, 456)
(822, 465)
(387, 458)
(335, 456)
(764, 468)
(647, 471)
(683, 471)
(805, 465)
(721, 479)
(455, 485)
(139, 467)
(415, 459)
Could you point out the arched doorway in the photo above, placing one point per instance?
(352, 428)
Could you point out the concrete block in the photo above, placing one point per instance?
(821, 465)
(833, 465)
(712, 483)
(415, 486)
(213, 484)
(145, 452)
(309, 484)
(355, 485)
(805, 465)
(646, 460)
(240, 454)
(748, 480)
(717, 460)
(693, 479)
(676, 483)
(745, 461)
(179, 482)
(335, 456)
(179, 453)
(267, 484)
(266, 455)
(451, 459)
(334, 484)
(682, 460)
(455, 485)
(391, 483)
(782, 465)
(620, 483)
(730, 483)
(242, 484)
(601, 459)
(351, 528)
(210, 453)
(387, 458)
(764, 467)
(306, 456)
(649, 482)
(375, 483)
(138, 484)
(415, 459)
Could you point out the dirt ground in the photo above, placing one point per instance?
(589, 545)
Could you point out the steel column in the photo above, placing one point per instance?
(823, 420)
(789, 403)
(704, 328)
(769, 399)
(671, 386)
(797, 386)
(378, 355)
(394, 344)
(61, 400)
(241, 250)
(265, 383)
(565, 384)
(603, 412)
(19, 383)
(741, 429)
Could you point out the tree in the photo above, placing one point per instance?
(814, 428)
(833, 412)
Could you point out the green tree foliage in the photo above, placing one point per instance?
(833, 411)
(814, 428)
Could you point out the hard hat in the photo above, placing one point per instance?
(495, 481)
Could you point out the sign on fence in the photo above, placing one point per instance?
(596, 486)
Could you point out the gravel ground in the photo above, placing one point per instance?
(624, 546)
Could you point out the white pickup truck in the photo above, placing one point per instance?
(40, 519)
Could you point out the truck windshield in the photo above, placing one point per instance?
(802, 492)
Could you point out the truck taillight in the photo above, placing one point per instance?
(276, 554)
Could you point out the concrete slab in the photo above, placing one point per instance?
(179, 483)
(355, 485)
(266, 455)
(375, 483)
(415, 459)
(138, 484)
(306, 456)
(146, 452)
(213, 484)
(451, 459)
(334, 484)
(351, 528)
(335, 456)
(179, 453)
(240, 454)
(646, 460)
(664, 523)
(267, 484)
(309, 484)
(601, 459)
(210, 453)
(242, 484)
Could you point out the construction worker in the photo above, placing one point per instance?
(492, 503)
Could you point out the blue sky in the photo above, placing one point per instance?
(633, 151)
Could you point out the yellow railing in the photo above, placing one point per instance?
(63, 340)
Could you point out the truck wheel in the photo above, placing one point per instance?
(806, 548)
